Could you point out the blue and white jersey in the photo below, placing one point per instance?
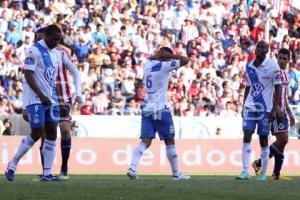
(261, 81)
(44, 62)
(156, 81)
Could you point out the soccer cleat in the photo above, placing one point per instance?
(243, 176)
(10, 173)
(280, 177)
(180, 176)
(64, 176)
(262, 177)
(132, 174)
(256, 168)
(50, 177)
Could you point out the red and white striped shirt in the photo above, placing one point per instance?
(284, 90)
(63, 79)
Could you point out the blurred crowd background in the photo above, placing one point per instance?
(111, 39)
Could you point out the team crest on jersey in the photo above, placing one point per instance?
(257, 88)
(280, 126)
(29, 61)
(50, 74)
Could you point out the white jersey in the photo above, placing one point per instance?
(63, 83)
(261, 81)
(44, 62)
(156, 81)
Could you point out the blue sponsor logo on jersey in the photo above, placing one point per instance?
(50, 74)
(257, 89)
(29, 61)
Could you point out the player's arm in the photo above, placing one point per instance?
(183, 60)
(29, 70)
(277, 84)
(290, 113)
(75, 74)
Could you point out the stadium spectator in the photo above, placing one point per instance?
(8, 130)
(110, 43)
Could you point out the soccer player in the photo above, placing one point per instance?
(156, 115)
(259, 109)
(39, 87)
(279, 126)
(65, 101)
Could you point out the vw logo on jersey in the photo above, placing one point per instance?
(50, 74)
(257, 88)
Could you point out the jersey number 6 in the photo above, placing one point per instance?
(149, 81)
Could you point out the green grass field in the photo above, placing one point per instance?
(98, 187)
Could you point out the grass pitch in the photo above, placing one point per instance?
(119, 187)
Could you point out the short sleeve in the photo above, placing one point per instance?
(172, 65)
(30, 60)
(277, 76)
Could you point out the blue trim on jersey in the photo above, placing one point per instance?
(254, 80)
(45, 55)
(173, 63)
(49, 68)
(156, 67)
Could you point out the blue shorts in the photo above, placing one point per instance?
(39, 115)
(252, 118)
(280, 125)
(160, 121)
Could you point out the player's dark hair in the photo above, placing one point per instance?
(41, 30)
(167, 49)
(53, 28)
(284, 51)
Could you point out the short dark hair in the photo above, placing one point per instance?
(167, 49)
(41, 30)
(284, 51)
(53, 28)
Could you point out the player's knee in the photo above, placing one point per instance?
(147, 141)
(263, 140)
(169, 141)
(247, 137)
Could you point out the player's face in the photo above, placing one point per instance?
(283, 60)
(261, 50)
(53, 40)
(39, 36)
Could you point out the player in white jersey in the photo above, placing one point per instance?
(156, 115)
(39, 88)
(65, 100)
(259, 109)
(280, 125)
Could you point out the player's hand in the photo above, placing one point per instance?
(292, 120)
(25, 115)
(280, 113)
(272, 115)
(45, 100)
(64, 110)
(78, 99)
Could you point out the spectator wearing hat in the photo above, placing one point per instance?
(189, 30)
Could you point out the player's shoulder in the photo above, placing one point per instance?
(271, 62)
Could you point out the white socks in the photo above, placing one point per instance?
(172, 157)
(265, 151)
(49, 152)
(138, 152)
(246, 154)
(26, 144)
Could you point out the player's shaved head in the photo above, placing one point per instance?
(53, 35)
(261, 49)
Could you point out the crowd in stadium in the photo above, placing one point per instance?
(111, 40)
